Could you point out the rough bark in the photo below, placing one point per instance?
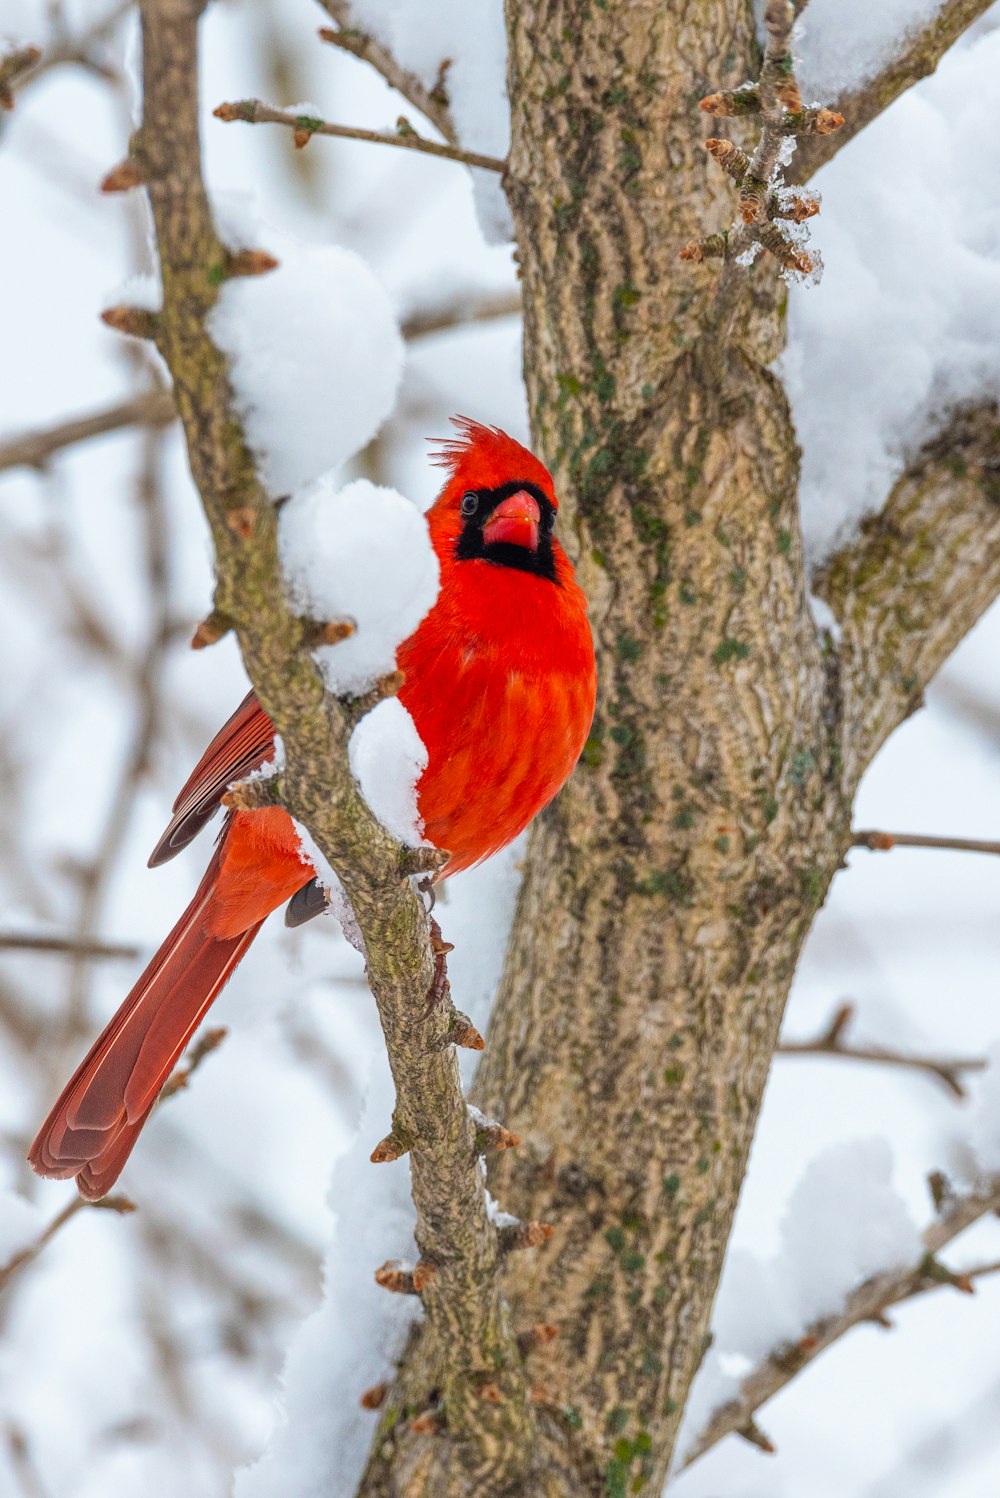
(668, 891)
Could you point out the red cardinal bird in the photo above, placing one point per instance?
(500, 681)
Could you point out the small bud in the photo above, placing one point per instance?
(250, 263)
(330, 633)
(729, 102)
(752, 1432)
(137, 322)
(393, 1276)
(301, 137)
(429, 1423)
(493, 1136)
(244, 109)
(729, 156)
(374, 1398)
(490, 1393)
(211, 630)
(462, 1032)
(389, 1148)
(123, 177)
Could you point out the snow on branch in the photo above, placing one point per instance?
(918, 57)
(870, 1302)
(305, 126)
(467, 1322)
(764, 201)
(915, 579)
(432, 102)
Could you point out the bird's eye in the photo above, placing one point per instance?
(470, 503)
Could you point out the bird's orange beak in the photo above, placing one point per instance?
(515, 520)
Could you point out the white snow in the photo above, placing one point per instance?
(422, 34)
(348, 1344)
(387, 758)
(362, 552)
(907, 320)
(315, 353)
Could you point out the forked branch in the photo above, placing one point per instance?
(354, 39)
(871, 1301)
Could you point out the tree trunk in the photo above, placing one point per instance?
(669, 890)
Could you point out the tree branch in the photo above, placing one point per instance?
(432, 103)
(466, 1317)
(830, 1042)
(305, 126)
(915, 580)
(63, 946)
(36, 449)
(461, 312)
(921, 52)
(884, 842)
(869, 1302)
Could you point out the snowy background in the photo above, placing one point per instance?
(142, 1354)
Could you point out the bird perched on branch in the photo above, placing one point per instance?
(499, 678)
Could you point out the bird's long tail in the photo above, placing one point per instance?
(101, 1110)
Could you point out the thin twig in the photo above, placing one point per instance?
(462, 312)
(255, 112)
(830, 1042)
(72, 946)
(869, 1302)
(432, 103)
(921, 52)
(28, 1254)
(36, 449)
(884, 842)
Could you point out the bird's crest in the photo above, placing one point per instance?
(485, 457)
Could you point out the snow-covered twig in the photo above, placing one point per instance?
(467, 1326)
(35, 449)
(432, 103)
(830, 1042)
(305, 126)
(922, 50)
(870, 1302)
(776, 101)
(12, 65)
(884, 842)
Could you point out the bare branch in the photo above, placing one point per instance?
(916, 579)
(870, 1302)
(461, 312)
(432, 103)
(465, 1313)
(830, 1042)
(63, 946)
(27, 1255)
(884, 842)
(36, 449)
(921, 52)
(305, 126)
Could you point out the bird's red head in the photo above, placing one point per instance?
(498, 504)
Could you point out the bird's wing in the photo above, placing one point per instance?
(242, 745)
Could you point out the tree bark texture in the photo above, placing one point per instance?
(668, 891)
